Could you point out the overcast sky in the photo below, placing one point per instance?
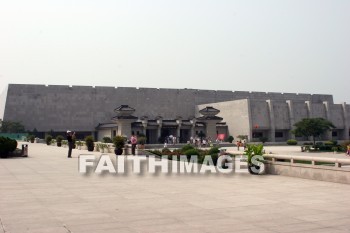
(299, 46)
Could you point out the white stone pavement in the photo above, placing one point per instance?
(45, 193)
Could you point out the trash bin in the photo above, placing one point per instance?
(127, 150)
(25, 150)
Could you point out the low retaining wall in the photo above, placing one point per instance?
(324, 169)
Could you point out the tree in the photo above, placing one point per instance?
(11, 127)
(314, 127)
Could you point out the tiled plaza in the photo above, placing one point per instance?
(45, 193)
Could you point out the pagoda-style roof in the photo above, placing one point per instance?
(124, 110)
(209, 111)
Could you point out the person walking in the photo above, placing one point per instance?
(244, 144)
(70, 136)
(133, 141)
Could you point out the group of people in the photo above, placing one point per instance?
(200, 142)
(241, 143)
(171, 140)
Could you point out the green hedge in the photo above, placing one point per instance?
(292, 142)
(7, 145)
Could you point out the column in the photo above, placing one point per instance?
(309, 109)
(346, 123)
(193, 126)
(124, 127)
(210, 129)
(291, 118)
(272, 121)
(178, 130)
(309, 113)
(328, 134)
(159, 129)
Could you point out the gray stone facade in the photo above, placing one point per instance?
(82, 108)
(275, 119)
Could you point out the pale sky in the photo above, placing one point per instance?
(298, 46)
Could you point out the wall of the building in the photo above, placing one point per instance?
(281, 115)
(235, 114)
(2, 102)
(104, 133)
(81, 108)
(318, 110)
(336, 115)
(300, 111)
(260, 114)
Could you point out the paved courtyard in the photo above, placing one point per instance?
(45, 193)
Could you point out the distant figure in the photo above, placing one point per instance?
(244, 144)
(238, 144)
(204, 143)
(70, 136)
(133, 141)
(348, 150)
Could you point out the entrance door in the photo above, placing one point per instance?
(151, 135)
(184, 135)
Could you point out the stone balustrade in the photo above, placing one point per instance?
(308, 167)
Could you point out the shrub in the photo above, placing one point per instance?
(334, 148)
(214, 150)
(107, 140)
(191, 152)
(186, 148)
(48, 139)
(89, 140)
(119, 142)
(292, 142)
(156, 152)
(59, 138)
(7, 145)
(263, 139)
(141, 140)
(308, 143)
(343, 145)
(177, 152)
(31, 138)
(166, 151)
(331, 143)
(230, 139)
(214, 157)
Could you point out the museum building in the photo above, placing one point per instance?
(157, 113)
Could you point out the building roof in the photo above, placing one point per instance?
(106, 125)
(124, 110)
(209, 111)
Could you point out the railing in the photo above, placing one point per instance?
(314, 161)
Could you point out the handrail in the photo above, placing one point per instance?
(312, 159)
